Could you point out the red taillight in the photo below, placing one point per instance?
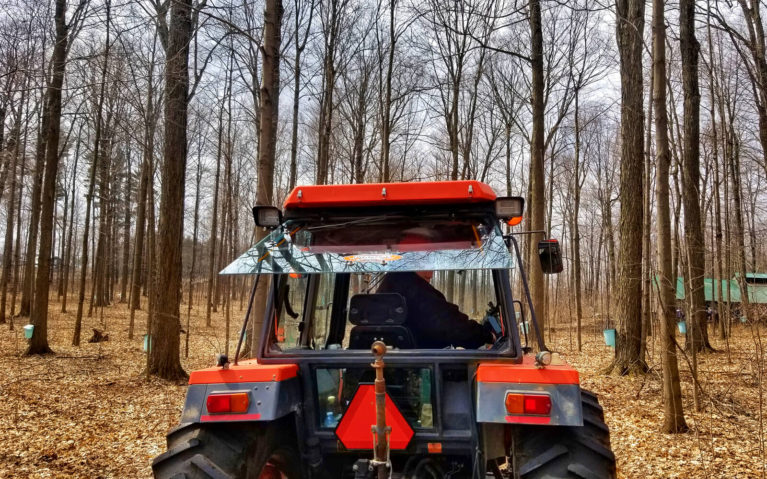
(528, 404)
(236, 402)
(537, 405)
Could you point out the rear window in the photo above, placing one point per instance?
(377, 245)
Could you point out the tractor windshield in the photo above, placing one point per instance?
(377, 245)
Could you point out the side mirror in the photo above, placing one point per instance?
(267, 216)
(550, 256)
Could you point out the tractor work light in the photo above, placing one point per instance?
(509, 207)
(538, 404)
(227, 403)
(267, 216)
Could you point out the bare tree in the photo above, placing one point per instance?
(696, 258)
(166, 322)
(39, 317)
(270, 93)
(673, 414)
(629, 32)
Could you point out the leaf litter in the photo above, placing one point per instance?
(89, 411)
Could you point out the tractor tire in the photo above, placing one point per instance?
(227, 451)
(566, 452)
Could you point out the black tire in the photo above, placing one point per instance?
(226, 451)
(566, 452)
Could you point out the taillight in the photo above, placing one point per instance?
(528, 404)
(221, 403)
(537, 405)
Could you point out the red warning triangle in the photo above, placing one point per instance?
(354, 429)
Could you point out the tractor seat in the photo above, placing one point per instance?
(379, 317)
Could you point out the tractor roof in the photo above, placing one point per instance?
(382, 194)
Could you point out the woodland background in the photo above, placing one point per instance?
(135, 135)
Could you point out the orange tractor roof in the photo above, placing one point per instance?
(375, 194)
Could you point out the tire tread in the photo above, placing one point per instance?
(576, 452)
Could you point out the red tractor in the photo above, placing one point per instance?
(420, 275)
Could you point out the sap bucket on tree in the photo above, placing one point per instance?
(28, 330)
(609, 334)
(682, 327)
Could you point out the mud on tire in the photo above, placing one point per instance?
(566, 451)
(226, 451)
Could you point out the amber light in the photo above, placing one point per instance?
(514, 221)
(528, 404)
(435, 447)
(515, 403)
(222, 403)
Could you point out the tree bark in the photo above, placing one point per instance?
(629, 34)
(70, 235)
(125, 263)
(386, 123)
(38, 344)
(198, 180)
(673, 414)
(10, 213)
(270, 95)
(164, 360)
(212, 303)
(696, 253)
(537, 172)
(300, 46)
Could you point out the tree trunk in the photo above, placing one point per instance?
(10, 214)
(39, 317)
(98, 151)
(575, 228)
(34, 216)
(629, 34)
(125, 267)
(212, 303)
(537, 172)
(326, 103)
(386, 123)
(270, 93)
(198, 180)
(70, 235)
(141, 206)
(696, 253)
(164, 360)
(673, 414)
(647, 227)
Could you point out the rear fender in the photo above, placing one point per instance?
(561, 383)
(273, 392)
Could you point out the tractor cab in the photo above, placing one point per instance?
(420, 273)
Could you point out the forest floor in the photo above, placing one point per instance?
(89, 412)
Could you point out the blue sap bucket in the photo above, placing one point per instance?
(682, 327)
(28, 330)
(525, 327)
(609, 337)
(147, 342)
